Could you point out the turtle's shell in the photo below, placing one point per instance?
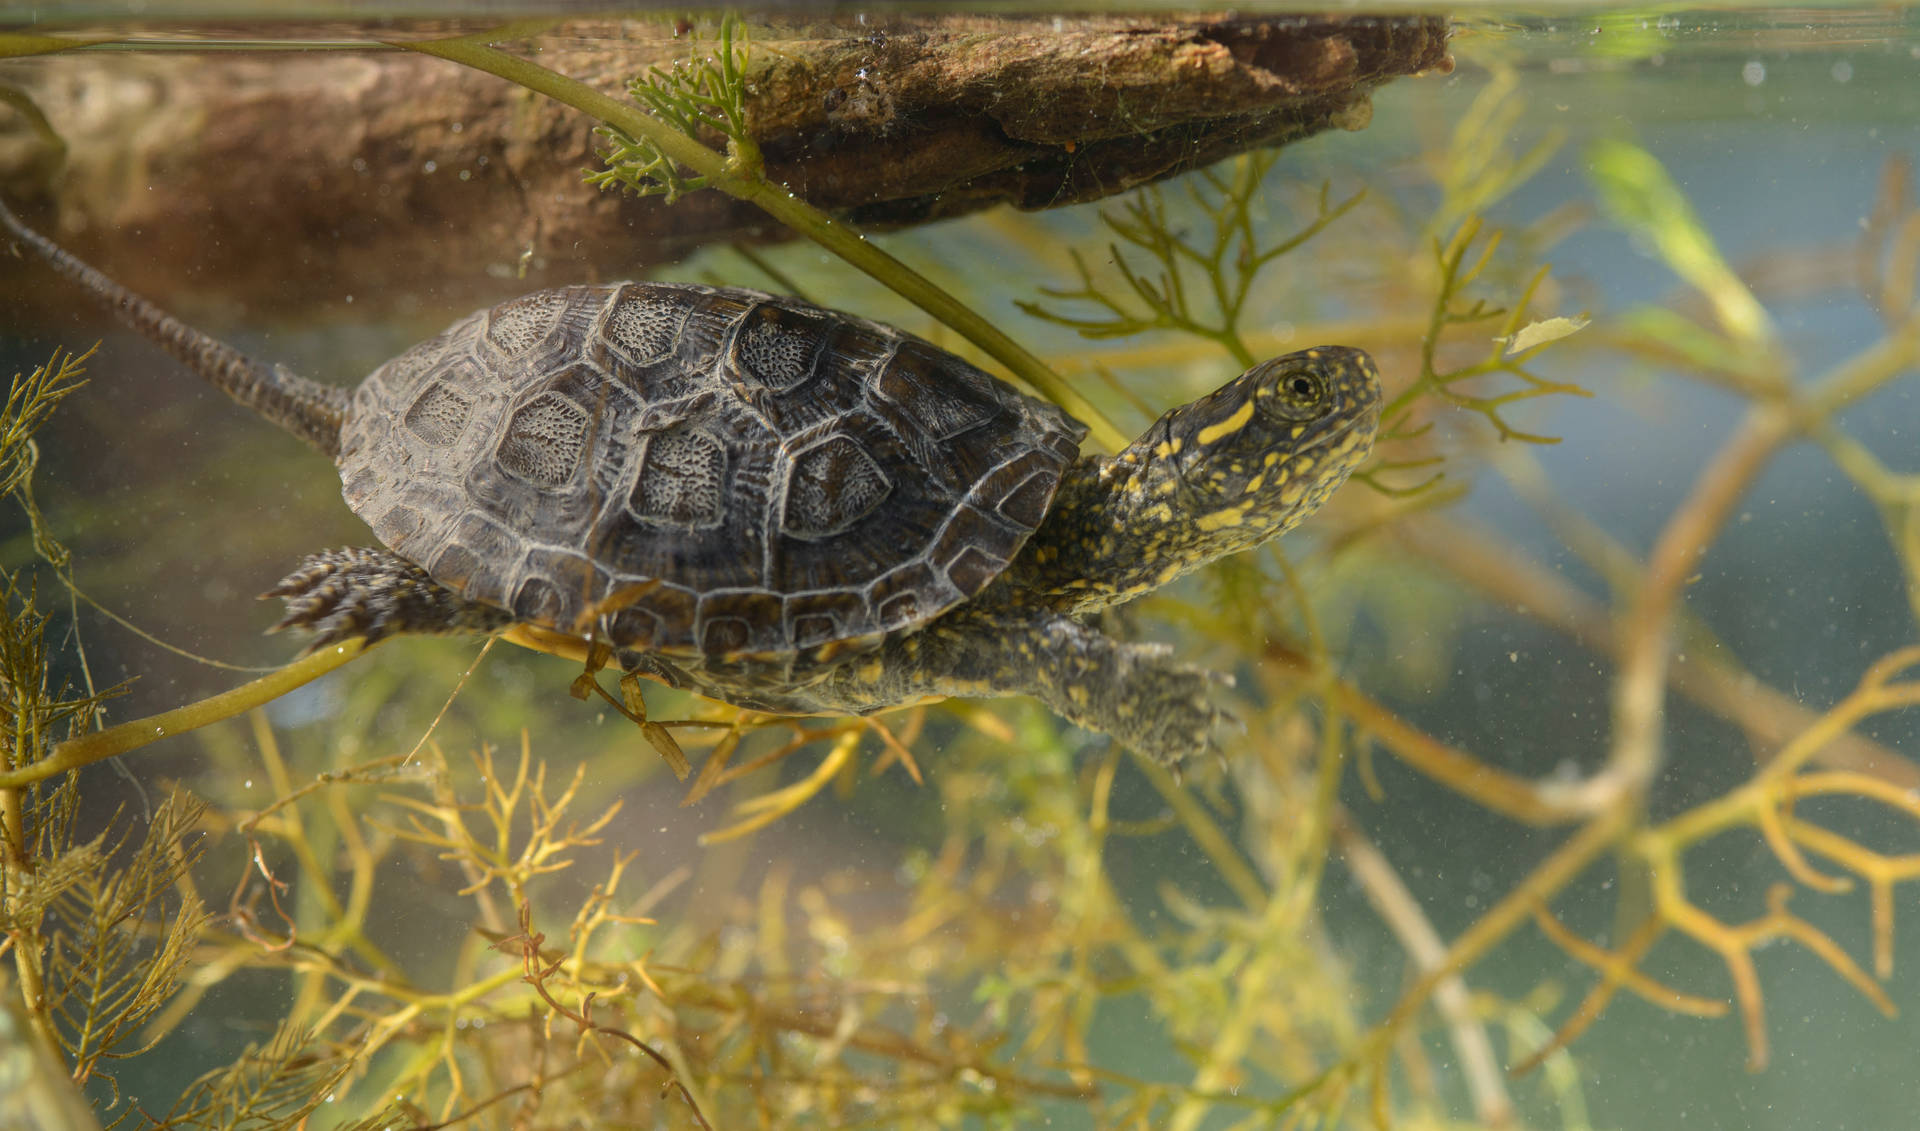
(787, 477)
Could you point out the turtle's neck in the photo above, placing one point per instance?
(1206, 480)
(1118, 527)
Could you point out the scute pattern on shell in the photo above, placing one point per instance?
(792, 478)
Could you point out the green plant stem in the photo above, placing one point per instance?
(13, 836)
(13, 45)
(1217, 845)
(1545, 881)
(27, 948)
(26, 942)
(1866, 372)
(88, 749)
(738, 174)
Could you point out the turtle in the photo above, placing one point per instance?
(780, 506)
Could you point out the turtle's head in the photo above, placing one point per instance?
(1263, 451)
(1240, 465)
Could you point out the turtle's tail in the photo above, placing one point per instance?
(308, 409)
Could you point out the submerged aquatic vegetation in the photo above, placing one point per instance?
(1194, 286)
(1002, 949)
(98, 929)
(706, 95)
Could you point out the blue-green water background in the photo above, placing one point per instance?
(1777, 126)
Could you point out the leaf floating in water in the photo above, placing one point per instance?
(1642, 197)
(1544, 331)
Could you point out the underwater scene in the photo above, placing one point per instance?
(914, 567)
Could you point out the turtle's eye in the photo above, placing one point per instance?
(1297, 395)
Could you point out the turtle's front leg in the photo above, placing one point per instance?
(1132, 692)
(340, 594)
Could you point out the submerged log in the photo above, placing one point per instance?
(281, 184)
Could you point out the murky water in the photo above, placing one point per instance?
(1545, 703)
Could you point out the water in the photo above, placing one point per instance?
(945, 952)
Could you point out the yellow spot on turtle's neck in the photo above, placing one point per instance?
(1221, 520)
(1212, 433)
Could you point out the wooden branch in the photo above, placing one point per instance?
(257, 182)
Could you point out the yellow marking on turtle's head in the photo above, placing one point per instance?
(1213, 433)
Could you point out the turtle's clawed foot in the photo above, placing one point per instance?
(1172, 717)
(1134, 692)
(341, 594)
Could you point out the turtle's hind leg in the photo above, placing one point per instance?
(340, 594)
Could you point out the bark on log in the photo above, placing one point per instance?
(278, 184)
